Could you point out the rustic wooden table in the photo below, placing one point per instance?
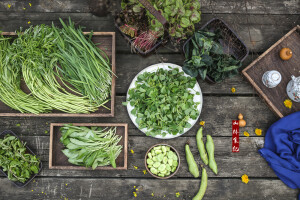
(259, 23)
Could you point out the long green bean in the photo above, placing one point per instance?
(36, 49)
(10, 81)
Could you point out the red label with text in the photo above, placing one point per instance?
(235, 136)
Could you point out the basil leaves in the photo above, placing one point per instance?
(15, 161)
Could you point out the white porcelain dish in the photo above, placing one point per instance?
(197, 98)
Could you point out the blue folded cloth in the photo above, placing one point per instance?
(282, 149)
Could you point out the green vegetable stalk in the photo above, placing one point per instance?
(15, 161)
(10, 82)
(82, 64)
(90, 147)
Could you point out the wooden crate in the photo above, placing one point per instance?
(107, 42)
(270, 60)
(57, 159)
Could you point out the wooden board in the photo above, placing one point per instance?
(270, 60)
(57, 160)
(107, 43)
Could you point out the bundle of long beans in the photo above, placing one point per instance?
(10, 78)
(35, 49)
(82, 64)
(34, 55)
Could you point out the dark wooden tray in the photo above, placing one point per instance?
(270, 60)
(17, 183)
(107, 42)
(58, 160)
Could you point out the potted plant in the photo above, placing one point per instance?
(146, 24)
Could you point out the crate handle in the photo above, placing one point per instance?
(154, 12)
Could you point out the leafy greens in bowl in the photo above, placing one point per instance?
(163, 101)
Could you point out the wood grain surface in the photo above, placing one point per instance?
(258, 23)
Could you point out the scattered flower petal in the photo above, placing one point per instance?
(29, 22)
(145, 171)
(177, 194)
(132, 151)
(245, 178)
(18, 125)
(30, 4)
(134, 187)
(288, 103)
(202, 123)
(8, 5)
(246, 134)
(135, 167)
(134, 194)
(258, 131)
(233, 90)
(152, 194)
(24, 8)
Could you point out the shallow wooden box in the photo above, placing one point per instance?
(57, 159)
(107, 42)
(270, 60)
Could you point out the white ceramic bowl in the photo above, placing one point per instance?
(197, 98)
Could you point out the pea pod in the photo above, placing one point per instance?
(193, 168)
(201, 147)
(203, 186)
(210, 147)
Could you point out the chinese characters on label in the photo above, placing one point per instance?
(235, 136)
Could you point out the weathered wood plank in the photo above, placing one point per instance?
(246, 161)
(70, 188)
(217, 112)
(207, 6)
(257, 31)
(127, 62)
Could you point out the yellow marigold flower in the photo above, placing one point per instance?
(233, 90)
(245, 178)
(29, 22)
(8, 5)
(135, 167)
(132, 151)
(202, 123)
(258, 131)
(145, 172)
(288, 103)
(134, 194)
(246, 134)
(152, 194)
(30, 4)
(177, 194)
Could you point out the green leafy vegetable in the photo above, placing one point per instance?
(10, 81)
(82, 64)
(15, 161)
(90, 147)
(163, 101)
(204, 55)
